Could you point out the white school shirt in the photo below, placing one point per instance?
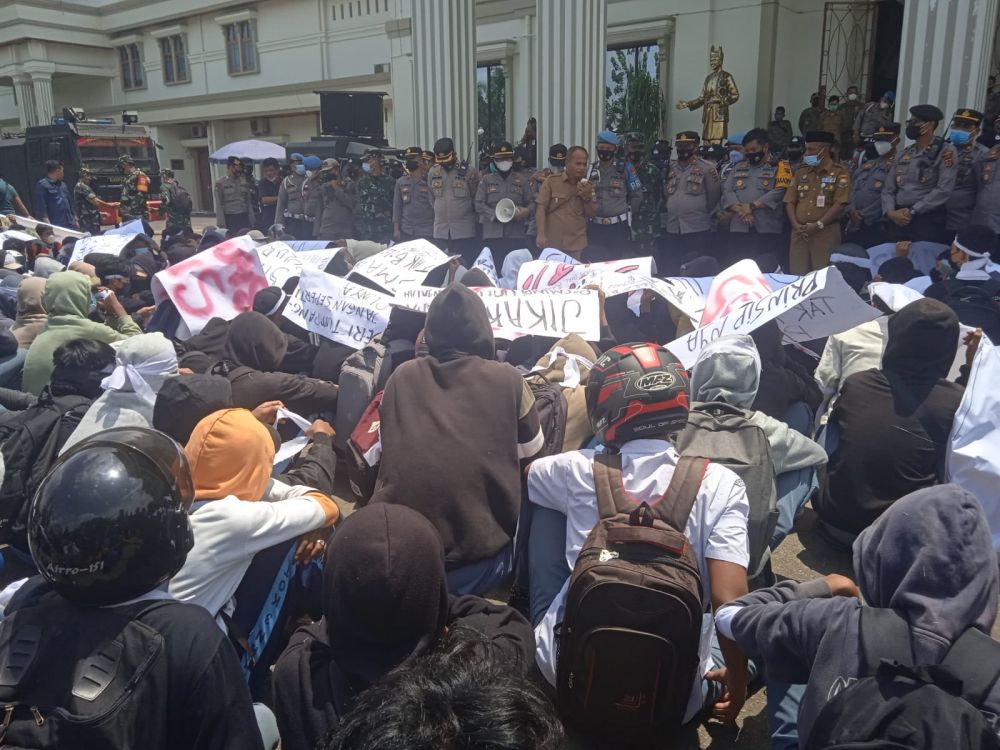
(230, 531)
(716, 528)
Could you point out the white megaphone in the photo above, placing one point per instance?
(505, 210)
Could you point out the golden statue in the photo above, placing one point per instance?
(717, 94)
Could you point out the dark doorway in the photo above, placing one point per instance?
(888, 39)
(203, 175)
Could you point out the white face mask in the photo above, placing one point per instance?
(883, 147)
(852, 97)
(883, 105)
(504, 166)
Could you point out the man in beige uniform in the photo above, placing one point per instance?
(814, 202)
(565, 202)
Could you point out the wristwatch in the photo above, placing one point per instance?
(820, 225)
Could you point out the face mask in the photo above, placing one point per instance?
(142, 251)
(556, 168)
(959, 137)
(412, 166)
(794, 154)
(913, 131)
(883, 147)
(811, 160)
(883, 105)
(366, 168)
(300, 169)
(754, 157)
(685, 153)
(605, 155)
(833, 107)
(309, 173)
(735, 157)
(504, 166)
(852, 97)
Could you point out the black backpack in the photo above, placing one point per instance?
(899, 706)
(974, 304)
(628, 644)
(67, 686)
(550, 403)
(363, 374)
(180, 199)
(31, 444)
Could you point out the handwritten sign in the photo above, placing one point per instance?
(132, 228)
(816, 305)
(303, 245)
(485, 264)
(338, 309)
(107, 243)
(60, 232)
(614, 277)
(218, 283)
(318, 259)
(550, 253)
(279, 262)
(16, 234)
(739, 283)
(400, 266)
(521, 312)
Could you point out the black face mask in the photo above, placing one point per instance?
(913, 131)
(412, 166)
(754, 157)
(605, 155)
(794, 154)
(685, 153)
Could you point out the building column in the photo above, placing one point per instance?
(25, 100)
(444, 65)
(945, 54)
(571, 71)
(400, 34)
(44, 106)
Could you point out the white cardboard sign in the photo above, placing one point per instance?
(485, 264)
(338, 309)
(279, 261)
(400, 266)
(105, 243)
(614, 277)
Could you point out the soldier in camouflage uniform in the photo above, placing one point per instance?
(135, 191)
(375, 198)
(177, 218)
(88, 205)
(646, 225)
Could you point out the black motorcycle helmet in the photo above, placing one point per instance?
(110, 520)
(636, 391)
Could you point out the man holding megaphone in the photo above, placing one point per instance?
(502, 201)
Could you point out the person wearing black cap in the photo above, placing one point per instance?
(495, 186)
(793, 154)
(814, 202)
(233, 209)
(692, 198)
(866, 223)
(412, 212)
(557, 163)
(375, 197)
(963, 134)
(914, 199)
(453, 187)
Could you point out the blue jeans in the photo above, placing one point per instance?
(794, 488)
(482, 576)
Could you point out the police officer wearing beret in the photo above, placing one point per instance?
(692, 198)
(412, 212)
(914, 199)
(753, 195)
(815, 200)
(499, 183)
(453, 188)
(963, 134)
(866, 223)
(608, 232)
(233, 209)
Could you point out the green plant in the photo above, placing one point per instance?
(492, 110)
(633, 100)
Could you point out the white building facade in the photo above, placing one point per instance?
(203, 73)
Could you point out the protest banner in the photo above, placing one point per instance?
(973, 457)
(60, 232)
(523, 312)
(133, 227)
(614, 277)
(485, 264)
(318, 259)
(550, 253)
(896, 296)
(16, 234)
(303, 245)
(279, 262)
(736, 285)
(400, 266)
(217, 283)
(106, 243)
(816, 305)
(338, 309)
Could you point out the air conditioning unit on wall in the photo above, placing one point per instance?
(198, 130)
(260, 126)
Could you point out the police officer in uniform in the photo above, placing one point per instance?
(866, 223)
(608, 234)
(88, 205)
(412, 212)
(453, 187)
(291, 207)
(233, 209)
(753, 194)
(922, 182)
(987, 176)
(692, 199)
(375, 199)
(135, 191)
(557, 163)
(253, 188)
(499, 183)
(646, 225)
(815, 200)
(963, 134)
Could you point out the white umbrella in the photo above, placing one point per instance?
(256, 150)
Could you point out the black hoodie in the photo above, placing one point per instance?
(385, 602)
(454, 428)
(894, 422)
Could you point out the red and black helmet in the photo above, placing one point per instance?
(635, 391)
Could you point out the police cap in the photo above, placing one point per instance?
(927, 113)
(444, 147)
(887, 132)
(686, 137)
(504, 151)
(970, 116)
(557, 152)
(412, 152)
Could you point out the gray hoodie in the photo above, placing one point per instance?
(930, 557)
(728, 370)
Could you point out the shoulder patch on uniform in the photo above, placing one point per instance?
(949, 158)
